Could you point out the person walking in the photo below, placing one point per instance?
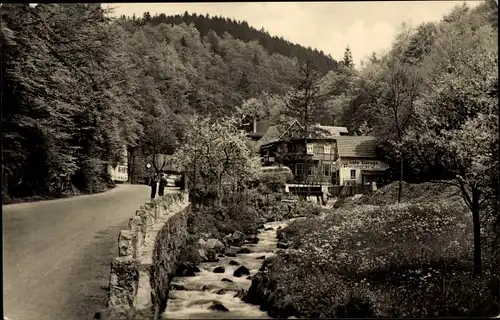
(162, 184)
(153, 184)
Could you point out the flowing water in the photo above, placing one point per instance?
(203, 290)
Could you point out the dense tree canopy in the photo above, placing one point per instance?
(432, 100)
(78, 85)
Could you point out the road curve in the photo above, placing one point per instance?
(57, 253)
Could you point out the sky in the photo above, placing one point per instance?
(365, 27)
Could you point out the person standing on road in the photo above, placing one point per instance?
(153, 184)
(162, 184)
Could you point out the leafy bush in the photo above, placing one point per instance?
(385, 237)
(273, 181)
(405, 260)
(217, 221)
(203, 221)
(305, 209)
(91, 177)
(245, 211)
(190, 252)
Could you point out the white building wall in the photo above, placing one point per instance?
(120, 172)
(345, 176)
(345, 166)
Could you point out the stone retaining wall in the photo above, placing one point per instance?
(147, 257)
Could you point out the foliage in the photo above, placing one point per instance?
(71, 103)
(347, 62)
(243, 32)
(64, 92)
(459, 110)
(379, 259)
(274, 181)
(245, 211)
(215, 154)
(431, 101)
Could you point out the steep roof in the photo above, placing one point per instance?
(356, 146)
(274, 133)
(334, 131)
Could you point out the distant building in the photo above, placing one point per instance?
(119, 172)
(255, 131)
(357, 162)
(330, 160)
(311, 163)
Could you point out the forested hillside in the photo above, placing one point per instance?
(77, 85)
(242, 31)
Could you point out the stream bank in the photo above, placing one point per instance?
(215, 289)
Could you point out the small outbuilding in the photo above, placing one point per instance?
(358, 162)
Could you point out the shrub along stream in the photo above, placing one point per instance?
(406, 260)
(357, 260)
(226, 245)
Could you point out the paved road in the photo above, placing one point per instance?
(57, 253)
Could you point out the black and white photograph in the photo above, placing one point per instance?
(250, 160)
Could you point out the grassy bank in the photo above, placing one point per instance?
(412, 259)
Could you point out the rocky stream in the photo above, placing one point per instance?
(215, 289)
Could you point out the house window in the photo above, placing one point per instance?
(328, 149)
(299, 169)
(310, 148)
(326, 170)
(310, 170)
(319, 149)
(353, 174)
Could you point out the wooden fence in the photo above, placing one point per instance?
(349, 191)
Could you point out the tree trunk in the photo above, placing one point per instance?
(219, 192)
(400, 187)
(130, 164)
(477, 230)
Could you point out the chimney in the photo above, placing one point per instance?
(254, 125)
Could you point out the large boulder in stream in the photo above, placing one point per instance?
(241, 271)
(222, 291)
(252, 239)
(234, 263)
(283, 239)
(219, 270)
(236, 239)
(216, 245)
(244, 251)
(208, 255)
(284, 244)
(186, 270)
(231, 252)
(217, 306)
